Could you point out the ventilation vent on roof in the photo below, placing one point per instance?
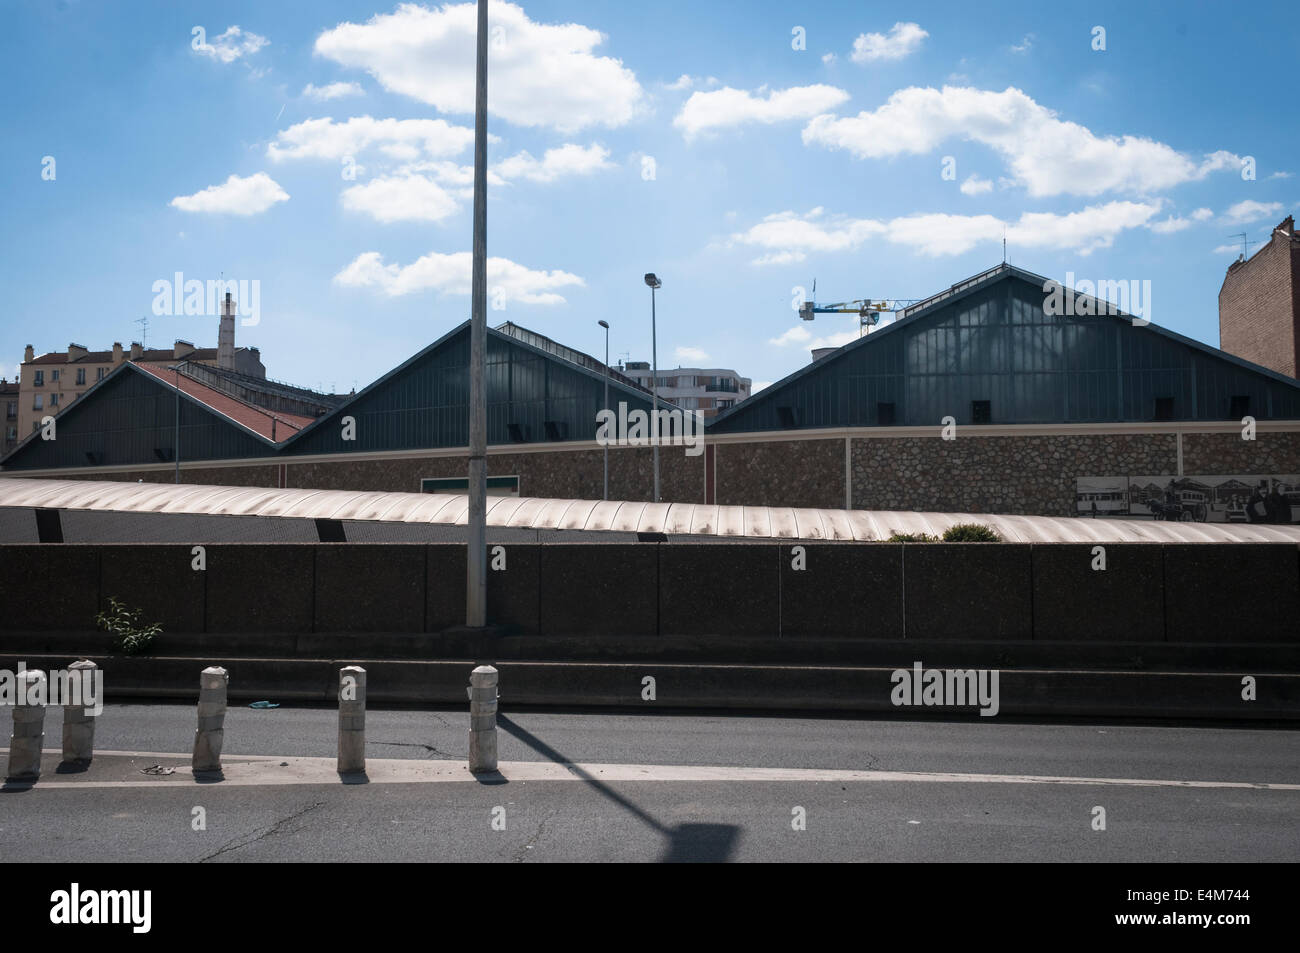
(1240, 406)
(981, 412)
(1164, 408)
(885, 414)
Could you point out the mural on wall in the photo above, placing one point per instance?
(1202, 499)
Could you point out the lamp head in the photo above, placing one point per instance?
(653, 281)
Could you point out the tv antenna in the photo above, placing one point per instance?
(144, 330)
(1245, 249)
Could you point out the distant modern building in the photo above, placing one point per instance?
(708, 390)
(1259, 303)
(9, 397)
(50, 382)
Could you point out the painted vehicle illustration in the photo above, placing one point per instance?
(1183, 505)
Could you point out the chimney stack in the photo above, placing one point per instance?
(117, 352)
(137, 350)
(181, 349)
(226, 335)
(29, 355)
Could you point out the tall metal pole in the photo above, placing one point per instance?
(605, 325)
(178, 424)
(476, 556)
(654, 389)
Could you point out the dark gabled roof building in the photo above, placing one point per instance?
(986, 352)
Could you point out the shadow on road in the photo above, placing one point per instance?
(687, 843)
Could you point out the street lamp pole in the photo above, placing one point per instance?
(605, 325)
(476, 556)
(654, 284)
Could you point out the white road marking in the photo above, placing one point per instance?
(252, 770)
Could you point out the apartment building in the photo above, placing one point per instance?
(708, 390)
(9, 404)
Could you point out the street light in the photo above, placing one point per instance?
(177, 451)
(605, 325)
(654, 284)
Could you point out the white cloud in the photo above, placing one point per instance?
(1025, 45)
(682, 82)
(231, 45)
(403, 139)
(792, 235)
(1170, 225)
(1248, 211)
(450, 274)
(235, 196)
(796, 335)
(566, 160)
(542, 74)
(692, 355)
(1280, 175)
(902, 40)
(733, 107)
(332, 91)
(1202, 215)
(1047, 155)
(401, 198)
(829, 59)
(1227, 250)
(974, 185)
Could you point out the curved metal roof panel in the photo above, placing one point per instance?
(695, 519)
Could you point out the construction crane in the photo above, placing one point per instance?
(868, 310)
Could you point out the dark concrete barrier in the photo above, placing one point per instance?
(513, 593)
(842, 591)
(729, 590)
(48, 587)
(1073, 602)
(1232, 592)
(965, 591)
(156, 579)
(373, 588)
(261, 587)
(609, 589)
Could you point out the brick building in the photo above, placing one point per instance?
(9, 404)
(1259, 304)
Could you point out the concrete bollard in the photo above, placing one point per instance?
(29, 727)
(352, 720)
(210, 734)
(483, 720)
(79, 727)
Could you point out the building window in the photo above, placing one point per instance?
(788, 417)
(1240, 406)
(54, 400)
(54, 375)
(81, 376)
(12, 433)
(99, 374)
(1164, 408)
(981, 411)
(496, 485)
(38, 403)
(39, 379)
(884, 413)
(12, 409)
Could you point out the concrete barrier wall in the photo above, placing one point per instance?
(291, 597)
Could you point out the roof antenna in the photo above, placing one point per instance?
(1244, 244)
(144, 324)
(1004, 244)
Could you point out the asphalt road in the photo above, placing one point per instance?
(1009, 803)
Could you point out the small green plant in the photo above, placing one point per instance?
(912, 538)
(129, 636)
(970, 533)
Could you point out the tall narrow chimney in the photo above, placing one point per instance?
(226, 335)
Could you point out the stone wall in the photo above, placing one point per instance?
(781, 473)
(1033, 475)
(1226, 453)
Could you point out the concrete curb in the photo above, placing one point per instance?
(1058, 692)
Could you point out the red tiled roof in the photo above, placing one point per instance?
(254, 418)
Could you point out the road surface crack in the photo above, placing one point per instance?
(522, 852)
(269, 831)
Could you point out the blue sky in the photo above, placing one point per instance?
(689, 139)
